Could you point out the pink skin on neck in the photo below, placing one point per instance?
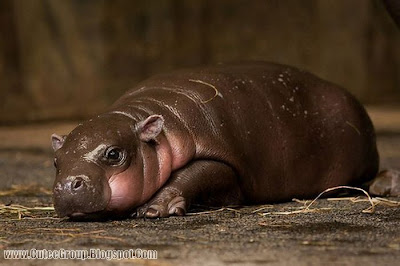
(141, 180)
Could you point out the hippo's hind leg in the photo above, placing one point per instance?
(206, 181)
(387, 183)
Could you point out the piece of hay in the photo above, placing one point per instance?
(22, 210)
(297, 211)
(371, 209)
(213, 211)
(376, 200)
(306, 208)
(263, 208)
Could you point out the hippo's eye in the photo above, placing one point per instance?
(114, 155)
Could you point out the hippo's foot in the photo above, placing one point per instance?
(167, 202)
(387, 183)
(200, 181)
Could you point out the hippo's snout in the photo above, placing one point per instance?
(78, 184)
(79, 196)
(73, 185)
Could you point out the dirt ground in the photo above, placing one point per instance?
(330, 231)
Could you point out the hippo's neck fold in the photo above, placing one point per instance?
(165, 159)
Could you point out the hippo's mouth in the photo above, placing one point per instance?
(95, 216)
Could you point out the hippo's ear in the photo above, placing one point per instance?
(149, 128)
(57, 141)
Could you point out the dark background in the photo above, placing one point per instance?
(70, 59)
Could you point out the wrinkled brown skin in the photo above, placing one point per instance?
(238, 134)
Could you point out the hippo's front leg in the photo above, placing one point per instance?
(205, 181)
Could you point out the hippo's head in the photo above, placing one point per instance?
(109, 165)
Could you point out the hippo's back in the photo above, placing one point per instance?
(285, 132)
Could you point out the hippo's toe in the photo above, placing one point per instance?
(177, 206)
(163, 205)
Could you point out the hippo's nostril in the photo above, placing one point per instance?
(77, 184)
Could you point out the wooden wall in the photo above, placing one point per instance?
(69, 59)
